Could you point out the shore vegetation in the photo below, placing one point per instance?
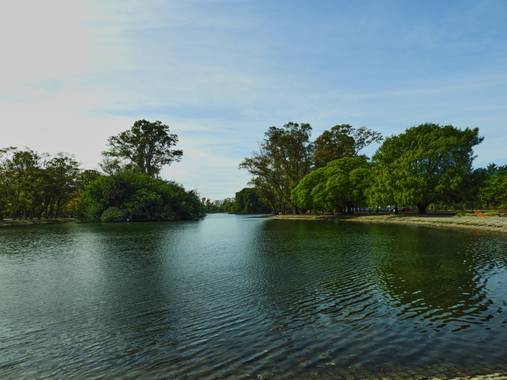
(426, 168)
(41, 187)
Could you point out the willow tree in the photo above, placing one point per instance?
(341, 185)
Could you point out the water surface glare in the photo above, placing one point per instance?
(241, 297)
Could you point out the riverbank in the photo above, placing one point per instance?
(484, 223)
(31, 222)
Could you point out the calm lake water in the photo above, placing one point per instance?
(242, 297)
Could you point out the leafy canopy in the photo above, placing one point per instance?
(423, 165)
(341, 141)
(248, 201)
(340, 185)
(493, 192)
(34, 185)
(147, 146)
(130, 195)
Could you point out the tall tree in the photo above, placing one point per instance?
(147, 146)
(61, 173)
(284, 157)
(425, 164)
(23, 176)
(341, 141)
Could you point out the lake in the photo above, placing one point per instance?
(247, 297)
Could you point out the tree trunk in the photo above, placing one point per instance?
(421, 209)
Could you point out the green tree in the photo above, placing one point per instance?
(284, 157)
(493, 192)
(211, 207)
(248, 201)
(303, 194)
(228, 205)
(147, 146)
(59, 184)
(23, 177)
(5, 190)
(341, 141)
(130, 195)
(33, 185)
(469, 194)
(85, 177)
(424, 165)
(339, 186)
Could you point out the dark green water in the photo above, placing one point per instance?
(238, 297)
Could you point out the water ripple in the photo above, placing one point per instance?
(240, 298)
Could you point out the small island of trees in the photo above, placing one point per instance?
(40, 186)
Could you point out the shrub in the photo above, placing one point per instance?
(130, 195)
(113, 215)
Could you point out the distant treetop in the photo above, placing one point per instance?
(147, 146)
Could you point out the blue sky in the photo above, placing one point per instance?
(220, 73)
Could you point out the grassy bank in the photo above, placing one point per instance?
(485, 223)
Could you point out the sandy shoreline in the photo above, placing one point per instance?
(486, 223)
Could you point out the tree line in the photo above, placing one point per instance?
(426, 166)
(41, 186)
(246, 201)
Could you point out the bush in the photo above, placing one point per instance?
(133, 196)
(113, 215)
